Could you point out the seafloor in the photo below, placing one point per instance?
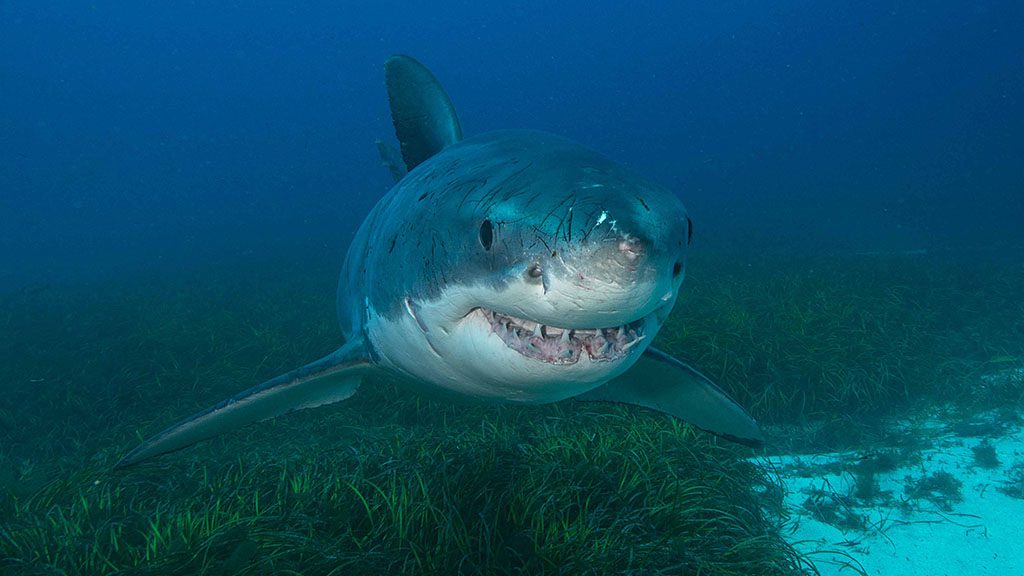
(825, 351)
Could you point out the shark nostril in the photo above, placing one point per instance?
(535, 274)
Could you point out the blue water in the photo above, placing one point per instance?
(227, 148)
(151, 135)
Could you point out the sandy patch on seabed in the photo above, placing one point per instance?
(946, 507)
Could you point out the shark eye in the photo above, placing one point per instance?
(486, 234)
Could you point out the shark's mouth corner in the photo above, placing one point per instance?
(555, 345)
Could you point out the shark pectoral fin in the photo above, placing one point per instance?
(332, 378)
(661, 382)
(424, 117)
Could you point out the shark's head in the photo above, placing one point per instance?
(546, 269)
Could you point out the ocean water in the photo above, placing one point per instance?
(179, 183)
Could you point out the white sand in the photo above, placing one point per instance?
(904, 533)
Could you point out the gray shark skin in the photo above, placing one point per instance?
(514, 266)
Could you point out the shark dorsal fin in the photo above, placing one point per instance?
(423, 114)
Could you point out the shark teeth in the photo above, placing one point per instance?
(560, 345)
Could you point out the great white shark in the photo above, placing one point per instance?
(515, 266)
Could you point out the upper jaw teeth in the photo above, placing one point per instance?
(561, 345)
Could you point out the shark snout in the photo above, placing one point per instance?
(618, 275)
(624, 258)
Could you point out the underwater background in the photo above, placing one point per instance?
(179, 183)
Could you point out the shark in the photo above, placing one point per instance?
(514, 266)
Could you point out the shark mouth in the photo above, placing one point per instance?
(563, 345)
